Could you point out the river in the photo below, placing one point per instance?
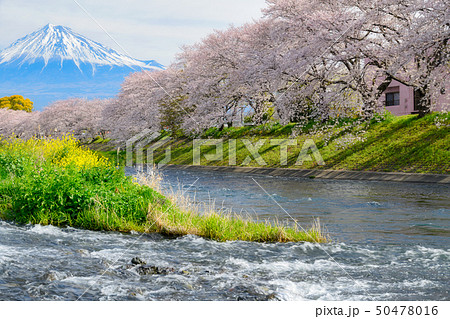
(390, 241)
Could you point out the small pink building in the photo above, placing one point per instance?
(399, 99)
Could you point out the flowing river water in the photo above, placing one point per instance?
(390, 242)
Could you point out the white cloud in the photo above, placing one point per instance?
(153, 29)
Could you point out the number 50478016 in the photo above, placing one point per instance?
(407, 310)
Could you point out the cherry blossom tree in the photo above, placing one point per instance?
(411, 45)
(74, 116)
(19, 123)
(332, 47)
(209, 71)
(138, 105)
(318, 67)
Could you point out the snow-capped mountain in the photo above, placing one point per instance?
(57, 63)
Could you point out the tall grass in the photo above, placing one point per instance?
(57, 182)
(205, 220)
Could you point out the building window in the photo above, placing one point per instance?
(392, 99)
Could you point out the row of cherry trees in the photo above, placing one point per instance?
(314, 58)
(80, 117)
(303, 59)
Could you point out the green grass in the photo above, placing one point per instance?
(225, 227)
(56, 182)
(397, 144)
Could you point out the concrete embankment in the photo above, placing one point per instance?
(324, 174)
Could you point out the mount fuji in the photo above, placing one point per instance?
(56, 63)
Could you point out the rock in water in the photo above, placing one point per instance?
(138, 261)
(142, 268)
(154, 270)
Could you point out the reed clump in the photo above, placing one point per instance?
(205, 220)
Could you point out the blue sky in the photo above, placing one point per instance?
(153, 29)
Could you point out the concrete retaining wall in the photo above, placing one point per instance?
(325, 174)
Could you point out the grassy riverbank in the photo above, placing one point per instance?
(57, 182)
(393, 144)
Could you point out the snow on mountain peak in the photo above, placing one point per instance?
(60, 43)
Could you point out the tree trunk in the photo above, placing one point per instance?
(421, 102)
(368, 109)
